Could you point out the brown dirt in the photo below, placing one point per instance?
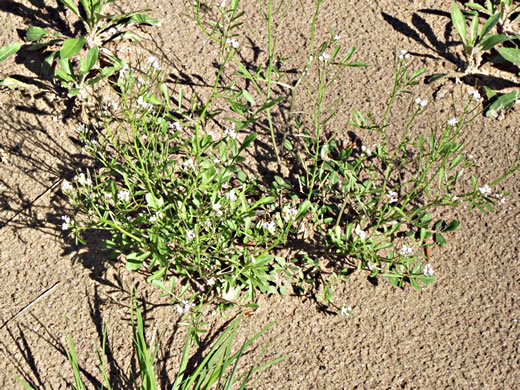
(462, 332)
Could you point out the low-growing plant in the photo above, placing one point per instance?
(217, 369)
(78, 62)
(183, 201)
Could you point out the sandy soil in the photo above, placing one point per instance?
(462, 332)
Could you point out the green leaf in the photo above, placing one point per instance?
(71, 5)
(458, 20)
(34, 33)
(473, 31)
(135, 260)
(71, 47)
(453, 225)
(247, 141)
(503, 103)
(11, 83)
(248, 97)
(456, 161)
(153, 202)
(143, 19)
(63, 75)
(476, 6)
(510, 54)
(439, 239)
(492, 40)
(271, 103)
(91, 59)
(9, 50)
(490, 23)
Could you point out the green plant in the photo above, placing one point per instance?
(218, 368)
(100, 28)
(177, 199)
(476, 43)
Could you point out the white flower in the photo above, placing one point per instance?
(107, 195)
(211, 282)
(67, 222)
(269, 226)
(366, 150)
(190, 235)
(141, 103)
(454, 198)
(290, 214)
(66, 186)
(421, 102)
(475, 94)
(217, 208)
(175, 124)
(82, 179)
(188, 164)
(324, 57)
(158, 215)
(154, 62)
(231, 195)
(123, 195)
(361, 233)
(346, 310)
(232, 42)
(216, 160)
(406, 251)
(222, 4)
(428, 270)
(337, 37)
(453, 122)
(81, 128)
(485, 190)
(231, 133)
(404, 54)
(392, 195)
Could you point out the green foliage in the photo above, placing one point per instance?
(218, 366)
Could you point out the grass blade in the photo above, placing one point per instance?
(458, 20)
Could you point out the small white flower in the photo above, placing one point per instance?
(269, 226)
(211, 282)
(231, 195)
(337, 37)
(188, 164)
(404, 54)
(475, 94)
(222, 4)
(428, 270)
(216, 160)
(107, 195)
(82, 179)
(361, 233)
(141, 103)
(406, 251)
(485, 190)
(123, 195)
(158, 215)
(470, 156)
(392, 196)
(81, 128)
(421, 102)
(453, 122)
(454, 198)
(290, 214)
(324, 57)
(231, 133)
(366, 150)
(67, 222)
(232, 42)
(66, 186)
(346, 310)
(217, 208)
(154, 62)
(190, 235)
